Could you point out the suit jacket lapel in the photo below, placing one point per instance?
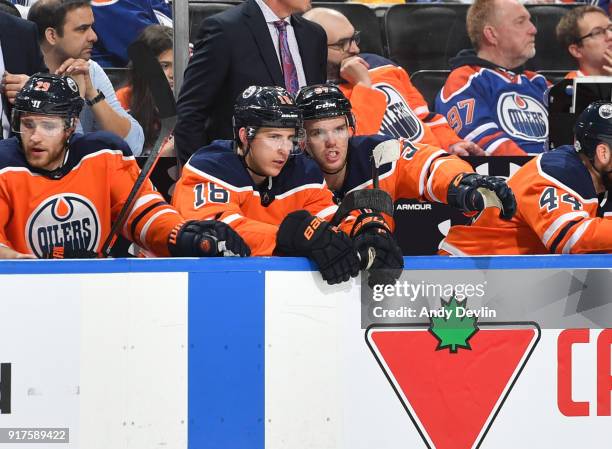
(259, 29)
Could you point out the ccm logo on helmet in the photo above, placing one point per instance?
(523, 117)
(66, 219)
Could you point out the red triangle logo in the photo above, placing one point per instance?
(453, 398)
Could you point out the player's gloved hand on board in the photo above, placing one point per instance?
(380, 254)
(207, 238)
(67, 252)
(473, 192)
(303, 234)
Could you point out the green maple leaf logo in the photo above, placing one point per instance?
(453, 331)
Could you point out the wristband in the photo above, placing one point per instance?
(97, 99)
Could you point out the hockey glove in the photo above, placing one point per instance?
(62, 252)
(302, 234)
(473, 192)
(380, 254)
(209, 238)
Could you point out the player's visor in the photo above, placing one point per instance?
(276, 141)
(319, 135)
(45, 126)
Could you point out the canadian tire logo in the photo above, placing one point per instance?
(453, 374)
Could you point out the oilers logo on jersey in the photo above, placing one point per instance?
(66, 219)
(523, 117)
(399, 119)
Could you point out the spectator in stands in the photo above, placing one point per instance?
(586, 33)
(136, 97)
(488, 98)
(558, 195)
(383, 98)
(66, 39)
(118, 24)
(20, 58)
(260, 42)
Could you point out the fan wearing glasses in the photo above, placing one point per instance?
(383, 98)
(586, 33)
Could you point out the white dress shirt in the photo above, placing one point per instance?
(293, 45)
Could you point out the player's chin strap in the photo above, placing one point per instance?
(62, 170)
(59, 172)
(337, 171)
(266, 196)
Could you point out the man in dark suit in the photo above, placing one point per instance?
(20, 57)
(245, 46)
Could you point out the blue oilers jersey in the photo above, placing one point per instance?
(502, 111)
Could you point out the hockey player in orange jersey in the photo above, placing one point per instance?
(558, 195)
(422, 172)
(272, 194)
(59, 191)
(384, 99)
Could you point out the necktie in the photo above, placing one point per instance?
(289, 71)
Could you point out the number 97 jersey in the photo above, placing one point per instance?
(557, 212)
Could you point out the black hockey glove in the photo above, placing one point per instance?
(62, 252)
(302, 234)
(380, 254)
(473, 192)
(209, 238)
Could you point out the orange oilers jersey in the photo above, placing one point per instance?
(75, 205)
(422, 172)
(557, 212)
(394, 107)
(216, 185)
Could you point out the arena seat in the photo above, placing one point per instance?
(424, 36)
(363, 19)
(429, 83)
(117, 75)
(549, 53)
(198, 11)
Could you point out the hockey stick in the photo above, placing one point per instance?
(375, 198)
(144, 61)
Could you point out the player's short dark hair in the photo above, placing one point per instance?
(52, 14)
(567, 28)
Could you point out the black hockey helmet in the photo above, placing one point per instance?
(271, 107)
(321, 101)
(594, 125)
(48, 94)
